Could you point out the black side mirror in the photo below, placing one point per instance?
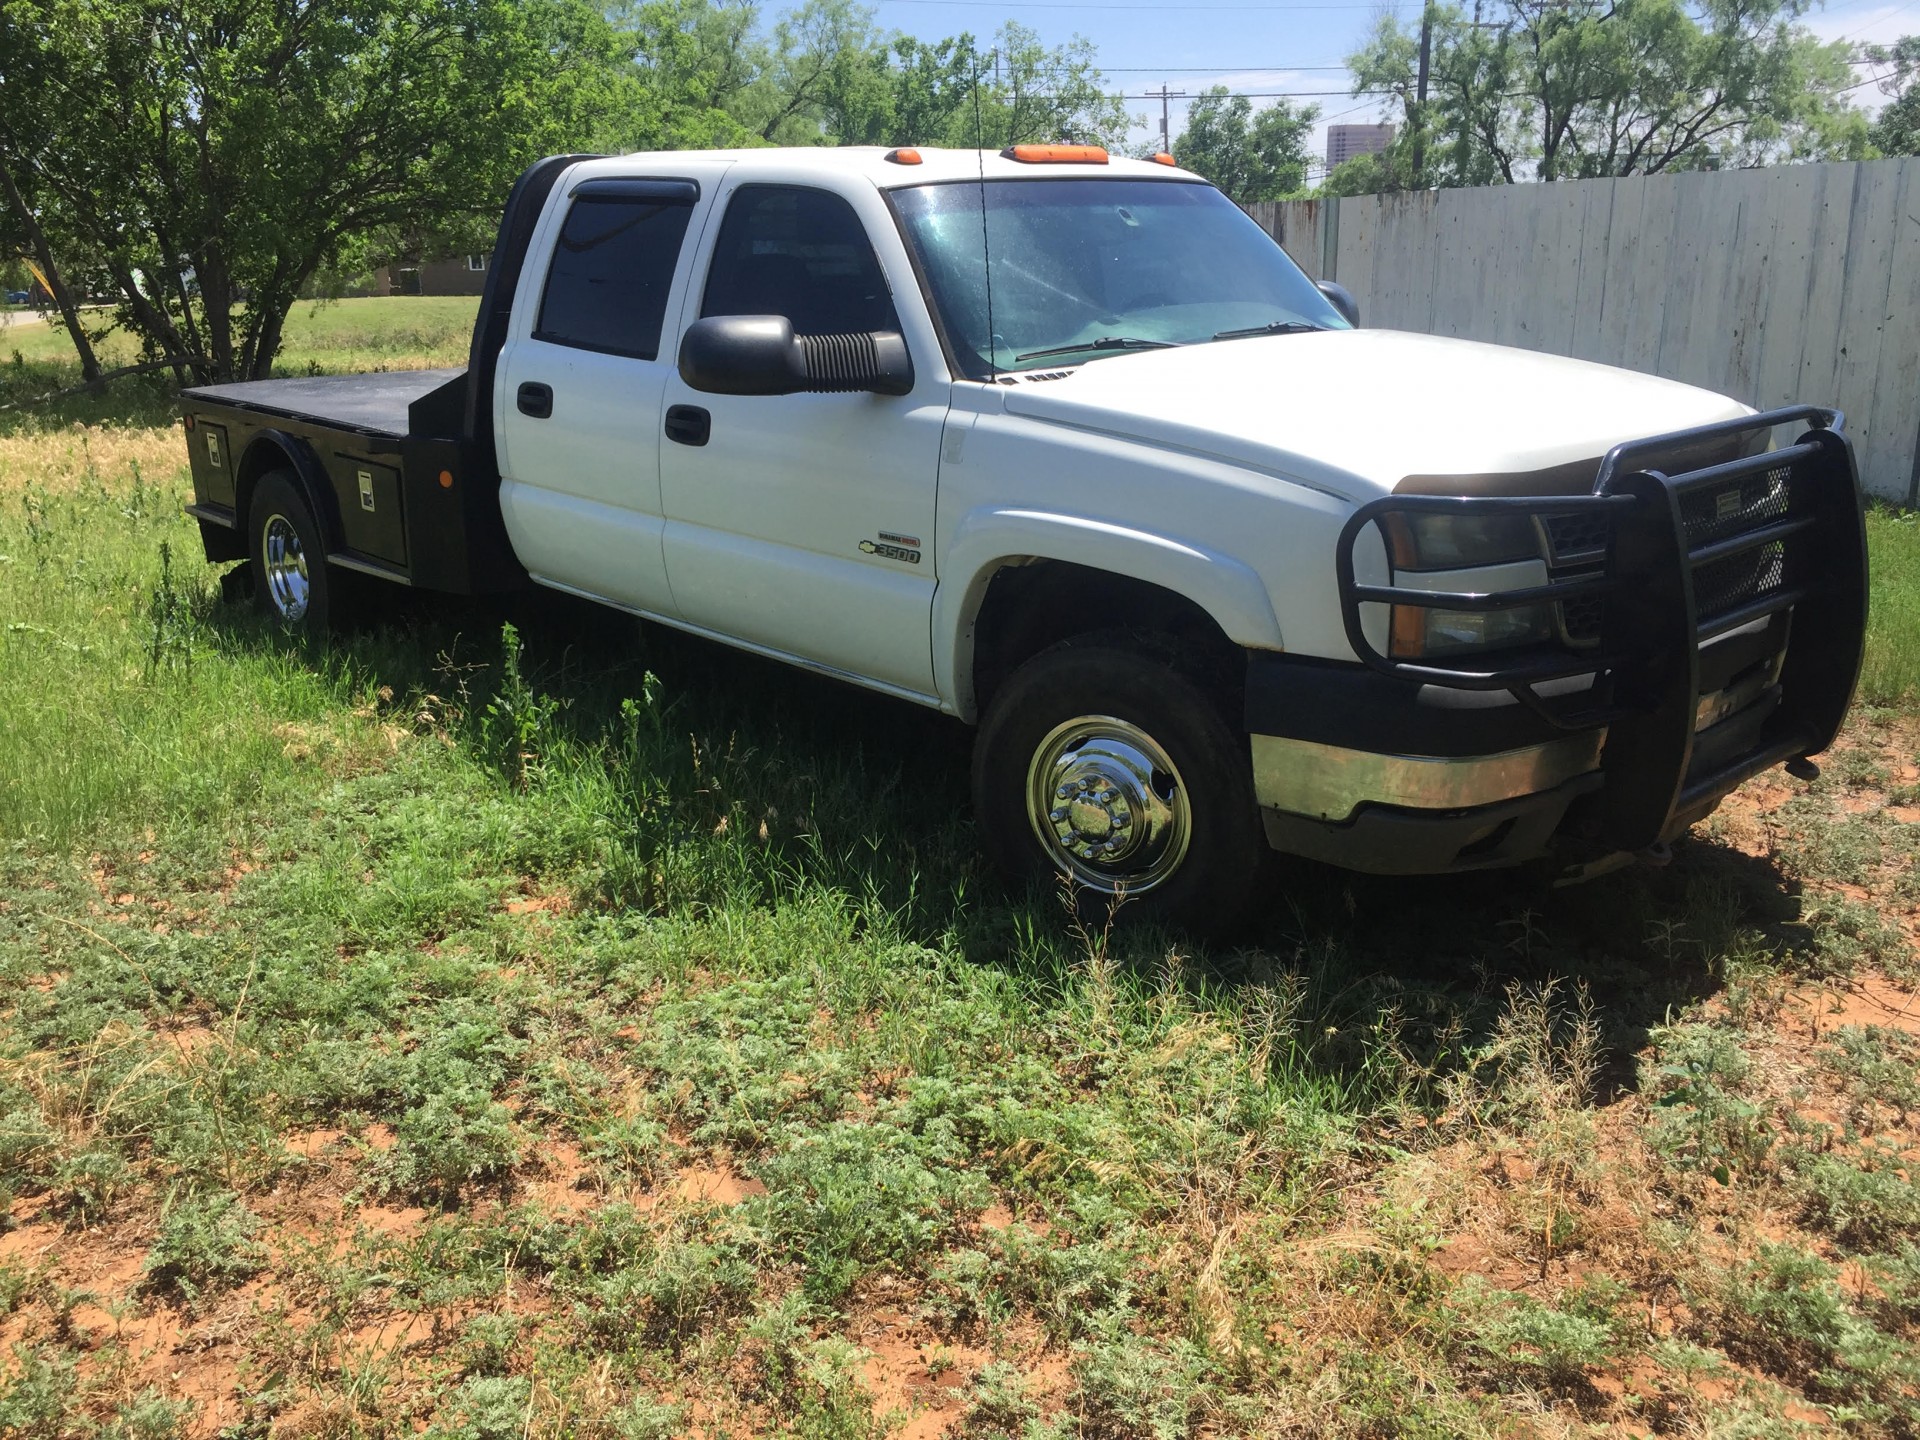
(1342, 300)
(760, 355)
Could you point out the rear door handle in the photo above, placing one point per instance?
(535, 399)
(688, 424)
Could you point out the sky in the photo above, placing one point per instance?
(1294, 46)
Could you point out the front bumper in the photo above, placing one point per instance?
(1364, 772)
(1686, 686)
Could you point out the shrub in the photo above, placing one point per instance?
(1862, 1209)
(1703, 1123)
(487, 1341)
(855, 1195)
(491, 1408)
(205, 1241)
(451, 1139)
(1130, 1386)
(649, 1419)
(1526, 1338)
(1785, 1311)
(672, 1295)
(998, 1404)
(34, 1403)
(149, 1416)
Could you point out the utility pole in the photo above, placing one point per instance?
(1163, 95)
(1420, 97)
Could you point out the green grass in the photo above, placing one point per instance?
(335, 336)
(500, 1023)
(1891, 674)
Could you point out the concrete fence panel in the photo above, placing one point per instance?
(1796, 283)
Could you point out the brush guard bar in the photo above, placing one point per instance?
(1672, 563)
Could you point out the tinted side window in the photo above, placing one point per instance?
(612, 267)
(784, 250)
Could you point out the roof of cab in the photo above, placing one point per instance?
(871, 161)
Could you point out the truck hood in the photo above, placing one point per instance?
(1357, 412)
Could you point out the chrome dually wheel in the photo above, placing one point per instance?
(284, 564)
(292, 582)
(1107, 804)
(1105, 759)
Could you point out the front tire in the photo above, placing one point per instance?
(291, 579)
(1112, 768)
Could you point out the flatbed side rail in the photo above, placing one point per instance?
(1667, 565)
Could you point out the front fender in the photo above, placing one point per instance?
(987, 539)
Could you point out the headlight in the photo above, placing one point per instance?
(1465, 552)
(1418, 631)
(1438, 541)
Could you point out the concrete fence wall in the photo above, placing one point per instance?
(1798, 283)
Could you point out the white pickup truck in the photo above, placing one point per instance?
(1067, 446)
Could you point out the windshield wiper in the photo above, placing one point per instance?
(1105, 342)
(1272, 327)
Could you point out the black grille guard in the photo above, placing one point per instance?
(1807, 544)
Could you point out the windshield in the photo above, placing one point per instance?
(1083, 269)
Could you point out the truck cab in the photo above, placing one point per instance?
(1064, 445)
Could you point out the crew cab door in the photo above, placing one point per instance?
(803, 524)
(580, 381)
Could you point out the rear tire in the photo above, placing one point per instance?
(1112, 768)
(292, 582)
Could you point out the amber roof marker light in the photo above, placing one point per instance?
(1163, 158)
(1056, 154)
(904, 155)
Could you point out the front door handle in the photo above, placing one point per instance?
(535, 399)
(688, 424)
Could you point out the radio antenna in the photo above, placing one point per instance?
(986, 254)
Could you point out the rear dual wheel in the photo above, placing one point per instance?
(1104, 766)
(292, 582)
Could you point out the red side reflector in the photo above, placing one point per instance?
(1056, 154)
(905, 155)
(189, 422)
(1163, 158)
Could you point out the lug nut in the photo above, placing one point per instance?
(1063, 792)
(1057, 815)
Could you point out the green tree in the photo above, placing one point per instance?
(200, 163)
(1250, 155)
(1555, 89)
(838, 81)
(1897, 129)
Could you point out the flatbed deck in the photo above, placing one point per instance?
(365, 404)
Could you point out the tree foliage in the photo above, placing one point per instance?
(199, 164)
(1896, 131)
(1251, 155)
(1561, 89)
(198, 161)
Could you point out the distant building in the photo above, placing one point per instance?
(1346, 141)
(445, 275)
(451, 275)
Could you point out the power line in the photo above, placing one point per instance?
(1213, 69)
(1880, 19)
(1124, 5)
(1274, 94)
